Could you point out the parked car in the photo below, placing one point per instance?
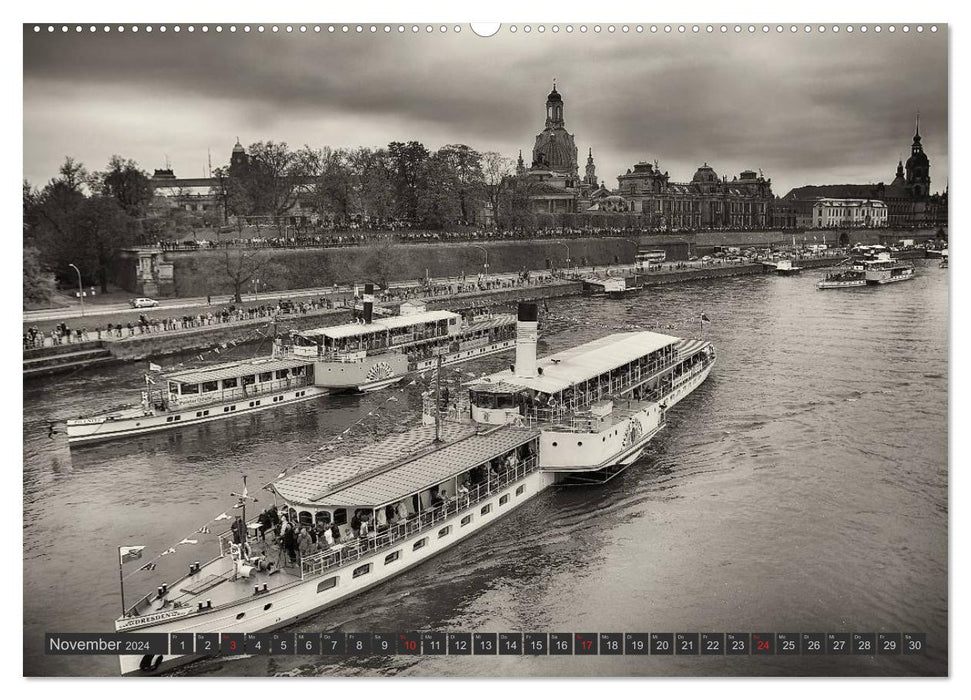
(143, 303)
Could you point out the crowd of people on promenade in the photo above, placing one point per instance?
(63, 334)
(268, 236)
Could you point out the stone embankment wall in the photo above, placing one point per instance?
(200, 273)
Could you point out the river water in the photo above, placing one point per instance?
(802, 488)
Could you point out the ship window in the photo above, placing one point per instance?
(177, 418)
(226, 409)
(393, 557)
(486, 509)
(252, 403)
(240, 616)
(268, 606)
(340, 516)
(519, 491)
(266, 376)
(305, 518)
(444, 531)
(323, 517)
(249, 379)
(169, 419)
(327, 584)
(361, 570)
(229, 383)
(466, 520)
(579, 443)
(420, 543)
(198, 414)
(504, 500)
(554, 444)
(190, 389)
(210, 386)
(282, 373)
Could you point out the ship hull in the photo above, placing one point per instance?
(890, 279)
(651, 420)
(91, 430)
(301, 599)
(830, 284)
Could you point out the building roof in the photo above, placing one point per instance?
(398, 466)
(813, 192)
(433, 468)
(385, 324)
(564, 369)
(234, 369)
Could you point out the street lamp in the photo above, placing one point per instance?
(80, 286)
(485, 265)
(569, 257)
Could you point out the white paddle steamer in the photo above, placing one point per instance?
(578, 416)
(364, 356)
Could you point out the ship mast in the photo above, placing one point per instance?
(438, 400)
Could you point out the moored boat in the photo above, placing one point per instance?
(364, 356)
(578, 416)
(785, 268)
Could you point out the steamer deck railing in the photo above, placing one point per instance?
(339, 555)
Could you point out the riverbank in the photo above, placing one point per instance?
(134, 345)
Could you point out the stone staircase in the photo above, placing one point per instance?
(40, 362)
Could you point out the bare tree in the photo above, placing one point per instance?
(497, 181)
(240, 266)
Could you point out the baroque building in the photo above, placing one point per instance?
(644, 192)
(908, 196)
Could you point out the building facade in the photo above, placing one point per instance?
(908, 197)
(849, 213)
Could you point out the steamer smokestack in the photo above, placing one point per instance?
(368, 302)
(526, 340)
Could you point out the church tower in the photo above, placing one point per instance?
(918, 167)
(520, 166)
(555, 149)
(590, 176)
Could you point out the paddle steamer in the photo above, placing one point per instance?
(578, 416)
(364, 356)
(880, 268)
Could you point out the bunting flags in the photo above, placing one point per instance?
(150, 566)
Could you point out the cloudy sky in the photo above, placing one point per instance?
(805, 109)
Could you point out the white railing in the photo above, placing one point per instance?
(317, 564)
(250, 391)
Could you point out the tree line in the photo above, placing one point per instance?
(85, 218)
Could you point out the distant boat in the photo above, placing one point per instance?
(784, 268)
(877, 269)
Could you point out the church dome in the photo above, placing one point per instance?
(705, 174)
(238, 148)
(554, 96)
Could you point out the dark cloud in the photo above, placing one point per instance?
(803, 108)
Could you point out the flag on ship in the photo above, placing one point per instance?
(130, 553)
(150, 566)
(704, 317)
(149, 380)
(152, 367)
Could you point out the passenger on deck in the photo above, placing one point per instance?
(437, 500)
(304, 543)
(289, 540)
(356, 525)
(265, 523)
(335, 532)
